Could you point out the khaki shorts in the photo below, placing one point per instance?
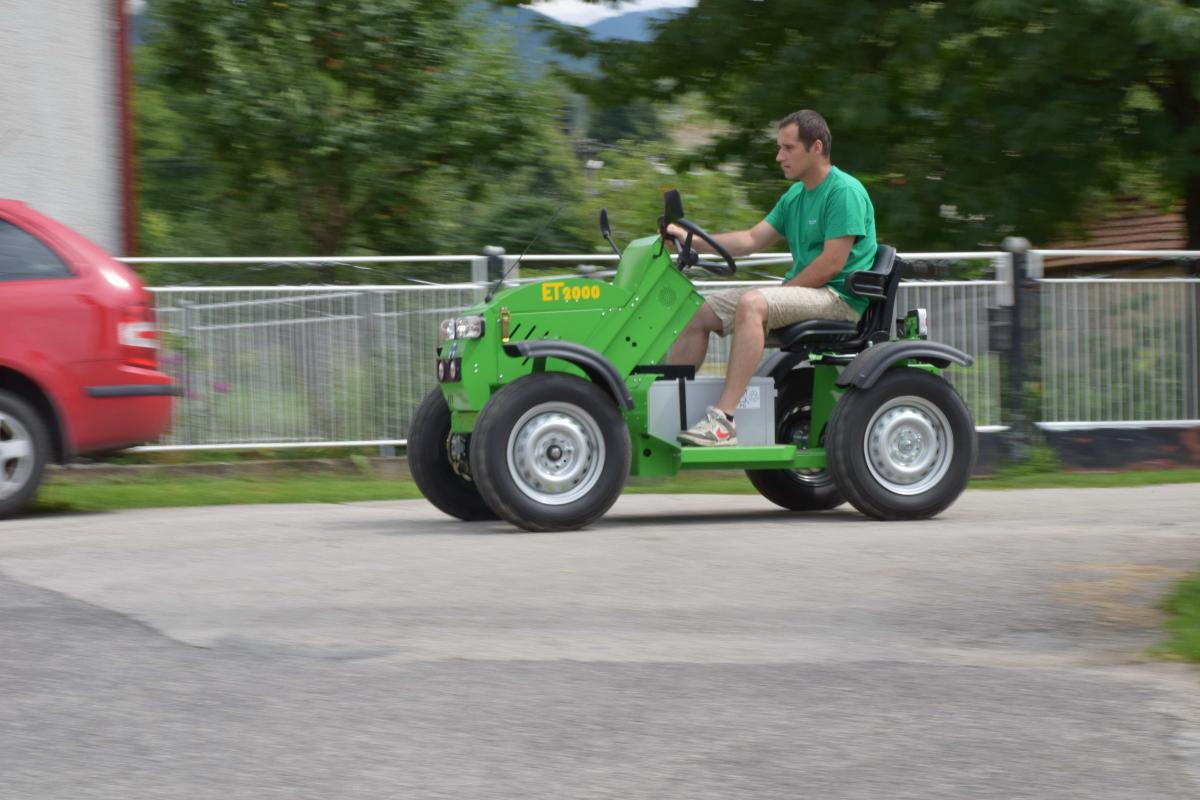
(785, 305)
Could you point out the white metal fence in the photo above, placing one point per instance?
(1120, 350)
(303, 365)
(274, 366)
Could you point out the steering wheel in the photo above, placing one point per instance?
(689, 257)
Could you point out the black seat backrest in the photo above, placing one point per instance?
(880, 284)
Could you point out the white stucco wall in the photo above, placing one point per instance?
(59, 113)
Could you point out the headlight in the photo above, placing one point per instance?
(468, 327)
(462, 328)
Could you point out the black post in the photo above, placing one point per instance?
(1017, 448)
(495, 262)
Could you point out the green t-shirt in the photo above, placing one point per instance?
(838, 207)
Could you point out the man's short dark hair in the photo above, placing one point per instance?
(810, 127)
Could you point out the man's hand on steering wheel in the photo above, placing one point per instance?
(675, 232)
(682, 241)
(684, 238)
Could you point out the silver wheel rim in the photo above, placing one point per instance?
(908, 445)
(16, 456)
(555, 453)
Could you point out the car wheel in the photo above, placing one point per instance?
(429, 447)
(24, 450)
(550, 452)
(903, 448)
(796, 489)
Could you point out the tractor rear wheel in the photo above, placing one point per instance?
(903, 448)
(796, 489)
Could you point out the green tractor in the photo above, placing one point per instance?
(550, 394)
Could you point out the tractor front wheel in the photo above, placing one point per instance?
(550, 452)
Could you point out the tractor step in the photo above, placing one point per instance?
(777, 456)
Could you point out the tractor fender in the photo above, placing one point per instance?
(778, 364)
(870, 364)
(599, 369)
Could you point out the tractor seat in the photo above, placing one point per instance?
(811, 331)
(879, 284)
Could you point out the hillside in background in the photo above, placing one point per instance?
(532, 40)
(633, 26)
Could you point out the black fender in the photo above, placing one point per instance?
(599, 369)
(870, 364)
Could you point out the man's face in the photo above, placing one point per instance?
(792, 156)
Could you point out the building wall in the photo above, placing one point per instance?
(60, 148)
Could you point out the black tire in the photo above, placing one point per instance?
(796, 490)
(24, 451)
(921, 419)
(550, 452)
(429, 463)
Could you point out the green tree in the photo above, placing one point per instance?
(365, 125)
(633, 121)
(629, 180)
(967, 120)
(188, 205)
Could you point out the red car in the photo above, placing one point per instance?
(78, 353)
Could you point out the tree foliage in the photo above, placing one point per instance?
(967, 120)
(391, 126)
(631, 182)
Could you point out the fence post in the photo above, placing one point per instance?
(190, 348)
(487, 268)
(1192, 352)
(1015, 406)
(376, 416)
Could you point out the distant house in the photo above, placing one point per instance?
(1133, 226)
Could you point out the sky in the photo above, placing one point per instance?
(576, 12)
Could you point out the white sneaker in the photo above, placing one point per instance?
(714, 430)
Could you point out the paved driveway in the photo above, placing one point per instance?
(684, 647)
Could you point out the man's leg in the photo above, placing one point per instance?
(749, 338)
(762, 309)
(692, 345)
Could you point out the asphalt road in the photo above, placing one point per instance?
(684, 647)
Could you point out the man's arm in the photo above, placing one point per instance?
(825, 267)
(738, 243)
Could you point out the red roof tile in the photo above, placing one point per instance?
(1138, 228)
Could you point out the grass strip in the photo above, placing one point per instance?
(1085, 480)
(155, 492)
(1183, 604)
(208, 491)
